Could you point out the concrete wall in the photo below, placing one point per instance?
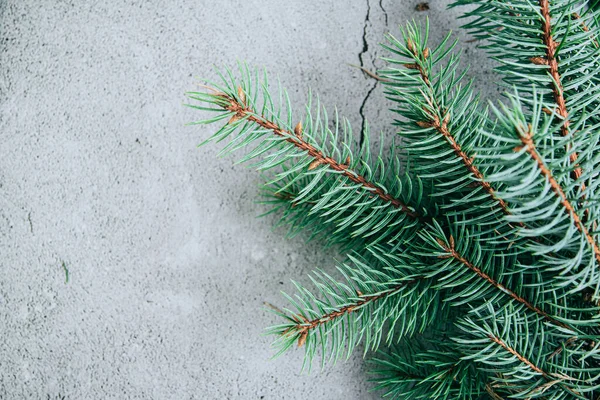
(168, 268)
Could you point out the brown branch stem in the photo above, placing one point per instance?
(519, 356)
(493, 395)
(442, 129)
(370, 73)
(557, 88)
(553, 378)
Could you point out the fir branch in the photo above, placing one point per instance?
(443, 110)
(564, 66)
(345, 197)
(506, 293)
(540, 191)
(442, 129)
(526, 136)
(303, 326)
(427, 368)
(520, 364)
(515, 353)
(241, 111)
(552, 379)
(451, 251)
(375, 293)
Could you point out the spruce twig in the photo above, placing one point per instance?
(241, 111)
(442, 127)
(452, 253)
(526, 136)
(304, 325)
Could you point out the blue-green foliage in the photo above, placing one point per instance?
(428, 368)
(472, 245)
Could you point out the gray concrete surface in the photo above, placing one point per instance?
(168, 266)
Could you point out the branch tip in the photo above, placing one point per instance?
(538, 60)
(298, 130)
(241, 95)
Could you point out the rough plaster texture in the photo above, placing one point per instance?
(168, 266)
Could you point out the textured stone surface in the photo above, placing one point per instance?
(168, 268)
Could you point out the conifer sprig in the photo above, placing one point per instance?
(557, 87)
(241, 111)
(530, 148)
(342, 315)
(540, 189)
(428, 368)
(309, 156)
(547, 45)
(440, 116)
(520, 367)
(451, 252)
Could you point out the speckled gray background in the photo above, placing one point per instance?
(168, 266)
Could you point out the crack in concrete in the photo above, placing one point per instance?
(362, 115)
(365, 47)
(385, 14)
(364, 50)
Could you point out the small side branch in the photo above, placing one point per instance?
(442, 128)
(519, 356)
(452, 253)
(552, 378)
(242, 111)
(304, 326)
(528, 144)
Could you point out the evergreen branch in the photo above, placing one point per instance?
(519, 356)
(512, 298)
(241, 111)
(375, 293)
(427, 368)
(442, 129)
(567, 72)
(552, 379)
(540, 193)
(355, 203)
(473, 294)
(451, 251)
(433, 107)
(557, 88)
(303, 327)
(526, 137)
